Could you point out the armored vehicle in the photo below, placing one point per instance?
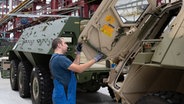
(5, 46)
(144, 39)
(29, 68)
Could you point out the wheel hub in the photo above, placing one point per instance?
(35, 88)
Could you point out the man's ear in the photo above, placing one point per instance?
(60, 45)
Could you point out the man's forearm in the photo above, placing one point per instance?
(77, 59)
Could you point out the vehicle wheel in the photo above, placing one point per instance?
(41, 86)
(93, 88)
(24, 73)
(13, 74)
(89, 86)
(166, 97)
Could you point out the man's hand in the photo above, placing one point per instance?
(98, 57)
(78, 48)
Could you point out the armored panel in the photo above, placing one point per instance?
(168, 36)
(38, 39)
(109, 32)
(175, 53)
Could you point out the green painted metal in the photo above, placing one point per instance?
(35, 42)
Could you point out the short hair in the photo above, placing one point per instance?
(55, 42)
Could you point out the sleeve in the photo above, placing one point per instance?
(65, 62)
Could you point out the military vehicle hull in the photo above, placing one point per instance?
(29, 58)
(144, 39)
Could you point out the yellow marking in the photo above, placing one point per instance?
(107, 30)
(109, 19)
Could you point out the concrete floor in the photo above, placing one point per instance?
(8, 96)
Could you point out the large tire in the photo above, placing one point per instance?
(165, 97)
(89, 86)
(14, 74)
(93, 88)
(41, 86)
(24, 73)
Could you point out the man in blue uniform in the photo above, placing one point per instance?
(63, 69)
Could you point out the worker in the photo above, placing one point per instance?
(62, 70)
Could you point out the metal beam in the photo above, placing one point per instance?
(21, 6)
